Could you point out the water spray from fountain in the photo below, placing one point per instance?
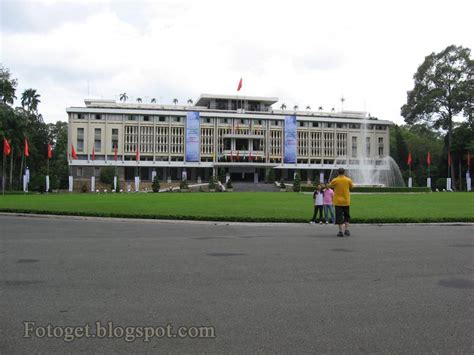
(371, 170)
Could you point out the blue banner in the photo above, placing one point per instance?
(193, 136)
(290, 139)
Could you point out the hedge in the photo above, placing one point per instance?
(371, 189)
(376, 220)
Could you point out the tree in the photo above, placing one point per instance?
(123, 97)
(295, 107)
(175, 101)
(30, 100)
(153, 101)
(155, 186)
(463, 141)
(190, 101)
(139, 100)
(320, 108)
(308, 108)
(283, 106)
(7, 87)
(443, 89)
(297, 183)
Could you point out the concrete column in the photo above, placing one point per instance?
(255, 177)
(428, 182)
(321, 177)
(137, 183)
(448, 184)
(92, 183)
(71, 183)
(410, 182)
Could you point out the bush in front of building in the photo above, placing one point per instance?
(107, 175)
(183, 185)
(221, 175)
(212, 184)
(155, 186)
(270, 178)
(297, 183)
(373, 189)
(282, 185)
(84, 188)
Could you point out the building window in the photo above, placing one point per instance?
(162, 119)
(354, 147)
(96, 171)
(79, 171)
(315, 124)
(301, 124)
(224, 120)
(328, 125)
(207, 120)
(354, 126)
(81, 116)
(367, 146)
(381, 146)
(98, 116)
(341, 125)
(97, 139)
(257, 144)
(146, 118)
(114, 137)
(80, 139)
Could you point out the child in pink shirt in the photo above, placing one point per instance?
(327, 204)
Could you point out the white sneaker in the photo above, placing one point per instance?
(311, 222)
(320, 222)
(327, 222)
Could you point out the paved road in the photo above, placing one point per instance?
(265, 288)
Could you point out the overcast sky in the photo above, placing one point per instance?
(303, 52)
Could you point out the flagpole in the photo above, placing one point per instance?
(3, 174)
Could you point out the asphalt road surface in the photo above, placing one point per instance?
(264, 288)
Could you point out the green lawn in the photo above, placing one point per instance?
(247, 206)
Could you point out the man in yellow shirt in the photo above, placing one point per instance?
(342, 187)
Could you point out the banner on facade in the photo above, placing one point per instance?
(290, 138)
(193, 136)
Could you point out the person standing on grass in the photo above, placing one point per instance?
(318, 205)
(342, 186)
(328, 204)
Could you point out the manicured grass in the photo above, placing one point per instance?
(247, 206)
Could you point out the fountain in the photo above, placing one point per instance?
(370, 171)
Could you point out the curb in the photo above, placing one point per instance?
(217, 223)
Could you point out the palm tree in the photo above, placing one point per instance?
(283, 106)
(308, 108)
(295, 107)
(153, 101)
(139, 100)
(333, 109)
(190, 101)
(123, 97)
(30, 100)
(175, 101)
(320, 108)
(7, 87)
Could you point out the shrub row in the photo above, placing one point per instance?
(371, 220)
(307, 188)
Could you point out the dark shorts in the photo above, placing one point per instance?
(342, 214)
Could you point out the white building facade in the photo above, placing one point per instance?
(244, 136)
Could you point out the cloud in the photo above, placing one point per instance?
(304, 52)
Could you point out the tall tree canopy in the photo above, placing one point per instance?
(444, 88)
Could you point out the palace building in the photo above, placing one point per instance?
(246, 136)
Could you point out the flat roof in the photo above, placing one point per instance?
(205, 98)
